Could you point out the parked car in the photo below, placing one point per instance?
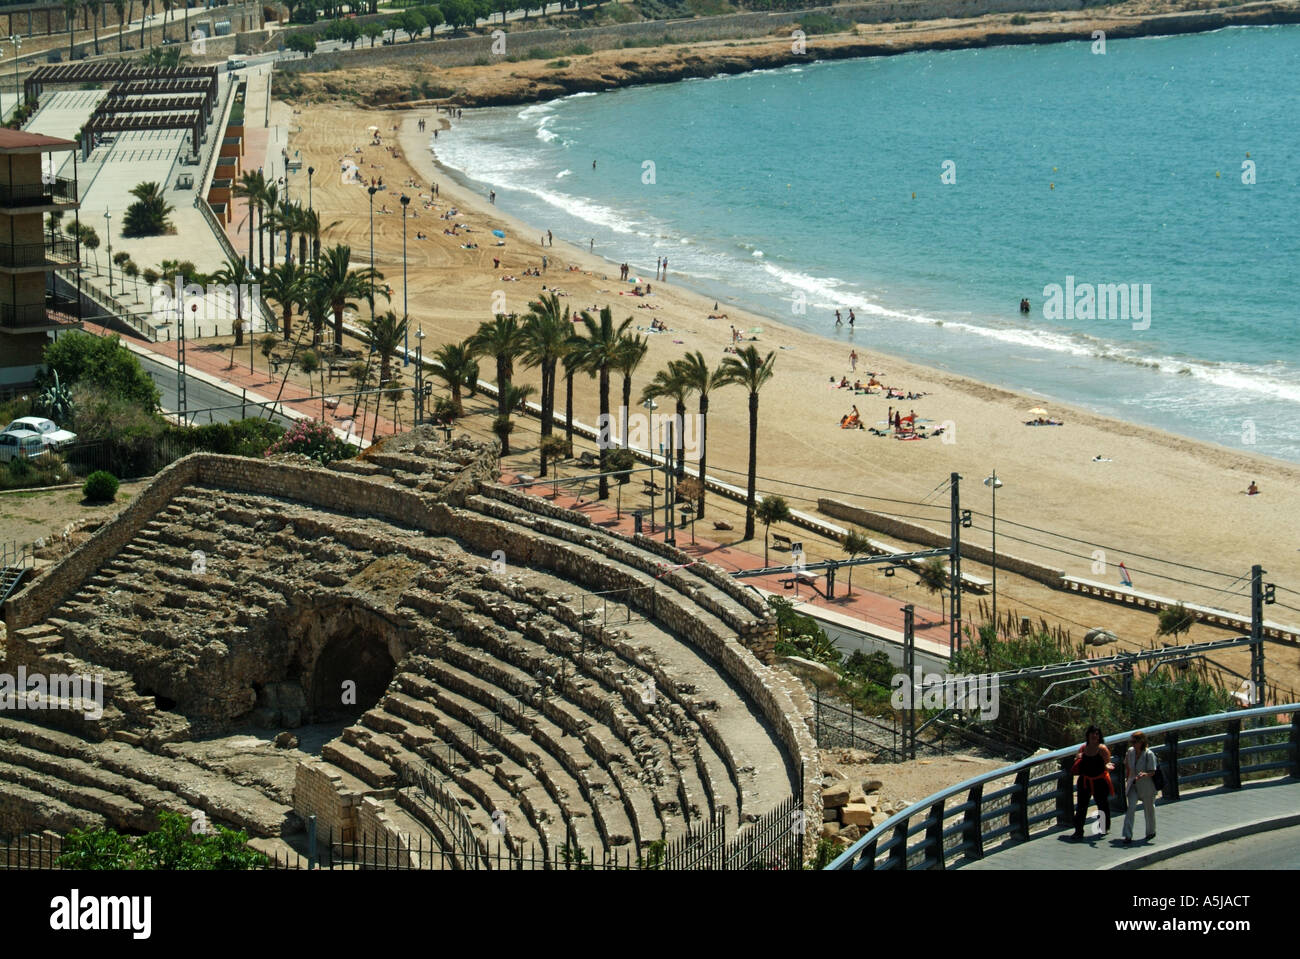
(49, 433)
(20, 444)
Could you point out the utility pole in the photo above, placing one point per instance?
(909, 669)
(954, 568)
(670, 532)
(1257, 600)
(182, 401)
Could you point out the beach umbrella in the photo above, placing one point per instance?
(372, 129)
(500, 233)
(1038, 411)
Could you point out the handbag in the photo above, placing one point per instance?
(1158, 778)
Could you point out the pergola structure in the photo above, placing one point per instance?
(110, 71)
(102, 123)
(141, 105)
(205, 85)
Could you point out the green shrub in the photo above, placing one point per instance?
(580, 50)
(100, 487)
(314, 439)
(815, 23)
(1019, 20)
(175, 844)
(558, 64)
(99, 361)
(480, 61)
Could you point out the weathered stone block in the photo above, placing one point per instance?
(856, 814)
(836, 796)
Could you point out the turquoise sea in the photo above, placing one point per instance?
(793, 189)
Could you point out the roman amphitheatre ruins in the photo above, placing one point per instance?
(399, 619)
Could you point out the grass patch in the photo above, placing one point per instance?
(1019, 20)
(709, 8)
(557, 64)
(821, 23)
(580, 50)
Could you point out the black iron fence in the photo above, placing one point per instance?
(970, 819)
(838, 728)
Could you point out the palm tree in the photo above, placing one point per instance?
(695, 373)
(572, 365)
(341, 283)
(311, 225)
(122, 10)
(271, 211)
(317, 304)
(933, 575)
(70, 14)
(90, 240)
(384, 335)
(599, 350)
(751, 371)
(634, 349)
(286, 285)
(854, 542)
(502, 338)
(147, 216)
(457, 364)
(670, 383)
(547, 334)
(252, 187)
(93, 8)
(773, 509)
(235, 274)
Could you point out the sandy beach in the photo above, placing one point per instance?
(1153, 494)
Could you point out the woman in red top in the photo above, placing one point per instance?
(1092, 764)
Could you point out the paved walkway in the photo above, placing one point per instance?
(1198, 819)
(865, 606)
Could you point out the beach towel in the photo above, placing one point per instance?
(1124, 577)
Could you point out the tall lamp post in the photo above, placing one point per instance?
(285, 154)
(108, 221)
(406, 355)
(993, 483)
(372, 190)
(419, 376)
(310, 171)
(17, 41)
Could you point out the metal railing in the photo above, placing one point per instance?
(837, 727)
(443, 806)
(932, 833)
(36, 314)
(58, 190)
(59, 250)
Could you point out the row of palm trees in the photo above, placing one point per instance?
(545, 339)
(276, 215)
(92, 12)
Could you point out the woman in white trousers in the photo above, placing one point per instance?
(1140, 764)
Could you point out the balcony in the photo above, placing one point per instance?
(59, 250)
(58, 312)
(59, 190)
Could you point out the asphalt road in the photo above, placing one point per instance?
(199, 395)
(1276, 849)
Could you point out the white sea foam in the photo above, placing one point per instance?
(563, 173)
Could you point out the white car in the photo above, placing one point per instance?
(20, 444)
(49, 433)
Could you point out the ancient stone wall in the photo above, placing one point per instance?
(319, 790)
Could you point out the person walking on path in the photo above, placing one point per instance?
(1140, 765)
(1092, 765)
(550, 240)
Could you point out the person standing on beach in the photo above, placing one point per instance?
(591, 245)
(852, 318)
(665, 268)
(544, 262)
(1140, 764)
(659, 262)
(838, 321)
(492, 197)
(853, 361)
(550, 241)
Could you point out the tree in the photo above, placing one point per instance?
(670, 384)
(147, 216)
(1175, 620)
(697, 376)
(349, 32)
(70, 14)
(456, 363)
(773, 509)
(90, 240)
(413, 24)
(547, 334)
(503, 339)
(854, 542)
(394, 24)
(373, 31)
(751, 371)
(933, 575)
(102, 362)
(384, 335)
(286, 285)
(133, 272)
(304, 43)
(434, 16)
(252, 187)
(634, 350)
(93, 8)
(271, 211)
(599, 351)
(310, 225)
(236, 274)
(340, 283)
(123, 9)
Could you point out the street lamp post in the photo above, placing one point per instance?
(419, 376)
(993, 482)
(406, 358)
(372, 190)
(310, 171)
(285, 154)
(108, 220)
(17, 41)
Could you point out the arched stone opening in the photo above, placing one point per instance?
(351, 674)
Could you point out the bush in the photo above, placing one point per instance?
(815, 23)
(580, 50)
(1019, 19)
(557, 64)
(102, 362)
(314, 439)
(250, 437)
(175, 844)
(101, 487)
